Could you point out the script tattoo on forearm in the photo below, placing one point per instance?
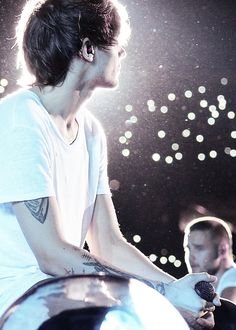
(98, 267)
(38, 208)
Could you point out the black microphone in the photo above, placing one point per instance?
(205, 290)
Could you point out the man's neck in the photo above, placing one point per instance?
(62, 106)
(59, 102)
(226, 264)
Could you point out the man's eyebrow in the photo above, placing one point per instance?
(197, 245)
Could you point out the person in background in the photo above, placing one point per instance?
(208, 248)
(54, 192)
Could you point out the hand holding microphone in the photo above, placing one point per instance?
(205, 290)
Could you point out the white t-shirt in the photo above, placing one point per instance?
(227, 280)
(35, 162)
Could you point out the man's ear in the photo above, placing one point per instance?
(222, 249)
(87, 50)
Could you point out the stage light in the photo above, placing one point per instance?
(213, 154)
(178, 155)
(133, 119)
(172, 259)
(233, 153)
(161, 134)
(151, 108)
(150, 103)
(186, 133)
(224, 81)
(203, 103)
(164, 109)
(128, 134)
(122, 139)
(201, 157)
(125, 152)
(191, 116)
(215, 114)
(169, 160)
(202, 89)
(175, 146)
(233, 134)
(129, 108)
(153, 257)
(137, 238)
(177, 263)
(227, 150)
(171, 97)
(231, 115)
(2, 89)
(220, 98)
(222, 102)
(211, 121)
(199, 138)
(222, 105)
(156, 157)
(188, 94)
(4, 82)
(212, 108)
(163, 260)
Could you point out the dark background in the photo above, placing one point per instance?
(176, 45)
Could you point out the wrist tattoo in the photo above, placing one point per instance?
(158, 286)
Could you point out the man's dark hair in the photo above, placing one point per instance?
(50, 34)
(216, 227)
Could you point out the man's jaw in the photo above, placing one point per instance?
(195, 268)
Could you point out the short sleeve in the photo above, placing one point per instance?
(25, 165)
(227, 280)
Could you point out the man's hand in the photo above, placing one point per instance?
(204, 322)
(196, 311)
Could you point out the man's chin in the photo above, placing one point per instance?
(113, 84)
(110, 85)
(196, 269)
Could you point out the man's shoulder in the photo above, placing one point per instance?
(21, 105)
(227, 280)
(229, 275)
(231, 270)
(14, 96)
(8, 106)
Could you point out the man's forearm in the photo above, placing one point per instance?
(78, 261)
(98, 266)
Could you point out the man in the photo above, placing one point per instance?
(54, 191)
(208, 248)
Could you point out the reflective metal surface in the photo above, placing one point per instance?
(88, 302)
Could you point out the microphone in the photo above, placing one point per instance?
(205, 290)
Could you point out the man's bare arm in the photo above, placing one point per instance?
(40, 222)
